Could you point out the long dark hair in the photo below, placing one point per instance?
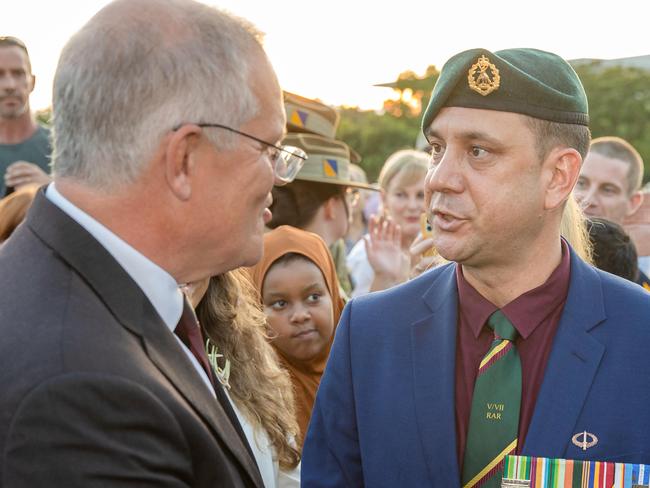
(296, 204)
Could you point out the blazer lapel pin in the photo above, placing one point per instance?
(584, 440)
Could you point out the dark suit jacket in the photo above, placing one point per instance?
(384, 413)
(94, 388)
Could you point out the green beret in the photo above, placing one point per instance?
(524, 81)
(328, 160)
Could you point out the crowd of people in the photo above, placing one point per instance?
(201, 287)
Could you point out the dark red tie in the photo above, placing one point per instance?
(189, 331)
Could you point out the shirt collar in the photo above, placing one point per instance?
(158, 286)
(527, 311)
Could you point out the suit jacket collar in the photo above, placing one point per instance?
(132, 309)
(157, 284)
(433, 348)
(572, 365)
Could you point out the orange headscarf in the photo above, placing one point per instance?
(305, 375)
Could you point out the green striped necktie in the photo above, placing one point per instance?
(494, 418)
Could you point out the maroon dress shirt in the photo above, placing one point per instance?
(535, 315)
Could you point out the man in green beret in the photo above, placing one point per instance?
(516, 346)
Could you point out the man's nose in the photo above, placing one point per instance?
(587, 197)
(7, 83)
(444, 175)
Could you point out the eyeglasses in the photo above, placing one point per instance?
(285, 160)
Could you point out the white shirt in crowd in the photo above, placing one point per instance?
(361, 273)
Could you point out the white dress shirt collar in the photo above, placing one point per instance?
(159, 286)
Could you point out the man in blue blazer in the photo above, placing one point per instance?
(508, 131)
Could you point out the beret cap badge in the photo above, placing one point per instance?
(478, 78)
(527, 81)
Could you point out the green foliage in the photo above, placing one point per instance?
(619, 104)
(44, 117)
(377, 135)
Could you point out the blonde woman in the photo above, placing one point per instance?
(382, 258)
(247, 365)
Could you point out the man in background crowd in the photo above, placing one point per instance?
(24, 145)
(609, 185)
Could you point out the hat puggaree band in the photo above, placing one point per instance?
(328, 160)
(312, 116)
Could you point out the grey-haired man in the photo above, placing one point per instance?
(168, 114)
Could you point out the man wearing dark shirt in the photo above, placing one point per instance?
(24, 145)
(515, 347)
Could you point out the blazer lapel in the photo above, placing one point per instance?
(132, 309)
(166, 354)
(230, 412)
(572, 365)
(433, 347)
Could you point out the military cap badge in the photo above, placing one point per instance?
(478, 78)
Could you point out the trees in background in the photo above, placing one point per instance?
(619, 105)
(376, 135)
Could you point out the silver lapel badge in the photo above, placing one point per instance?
(584, 440)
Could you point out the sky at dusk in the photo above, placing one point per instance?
(336, 50)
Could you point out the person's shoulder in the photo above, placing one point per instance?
(40, 140)
(405, 300)
(415, 286)
(615, 286)
(624, 300)
(42, 134)
(643, 281)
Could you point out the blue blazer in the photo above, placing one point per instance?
(384, 414)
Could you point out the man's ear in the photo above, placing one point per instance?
(634, 203)
(180, 158)
(329, 208)
(33, 83)
(563, 166)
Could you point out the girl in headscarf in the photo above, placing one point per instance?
(299, 291)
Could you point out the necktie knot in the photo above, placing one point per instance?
(496, 403)
(187, 323)
(189, 332)
(502, 327)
